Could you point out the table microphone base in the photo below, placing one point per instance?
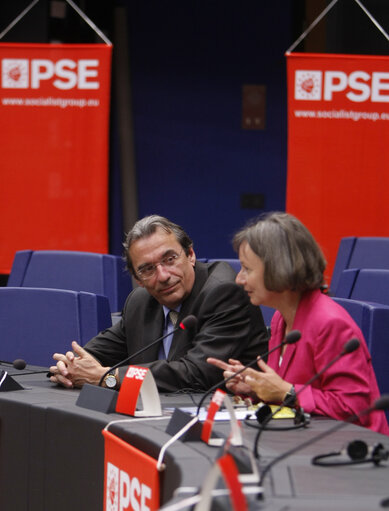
(97, 398)
(7, 383)
(178, 420)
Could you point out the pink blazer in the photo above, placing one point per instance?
(350, 385)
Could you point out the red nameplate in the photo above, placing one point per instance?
(217, 401)
(131, 478)
(130, 389)
(231, 477)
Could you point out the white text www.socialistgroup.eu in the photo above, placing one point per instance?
(50, 101)
(342, 114)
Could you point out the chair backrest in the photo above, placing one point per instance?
(373, 320)
(267, 313)
(78, 271)
(362, 252)
(366, 284)
(35, 323)
(234, 263)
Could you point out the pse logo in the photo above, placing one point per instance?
(308, 85)
(358, 86)
(63, 74)
(124, 492)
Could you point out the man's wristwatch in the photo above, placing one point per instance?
(110, 381)
(290, 397)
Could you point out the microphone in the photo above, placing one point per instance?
(6, 381)
(348, 347)
(19, 363)
(96, 397)
(188, 323)
(181, 422)
(381, 403)
(290, 338)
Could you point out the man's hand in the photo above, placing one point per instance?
(76, 368)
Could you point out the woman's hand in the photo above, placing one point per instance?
(266, 383)
(236, 385)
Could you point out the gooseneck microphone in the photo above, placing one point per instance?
(19, 363)
(381, 403)
(348, 347)
(6, 381)
(188, 323)
(290, 338)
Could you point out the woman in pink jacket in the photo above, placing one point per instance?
(282, 267)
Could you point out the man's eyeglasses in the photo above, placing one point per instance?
(148, 270)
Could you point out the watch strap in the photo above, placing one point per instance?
(290, 398)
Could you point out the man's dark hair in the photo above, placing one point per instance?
(146, 227)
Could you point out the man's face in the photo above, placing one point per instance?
(170, 285)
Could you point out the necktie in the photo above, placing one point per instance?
(173, 315)
(171, 323)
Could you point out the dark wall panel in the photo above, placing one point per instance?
(189, 61)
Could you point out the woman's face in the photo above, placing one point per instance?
(251, 277)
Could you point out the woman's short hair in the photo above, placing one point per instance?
(147, 226)
(292, 259)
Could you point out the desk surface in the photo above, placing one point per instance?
(52, 456)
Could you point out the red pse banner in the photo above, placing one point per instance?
(131, 480)
(54, 111)
(338, 146)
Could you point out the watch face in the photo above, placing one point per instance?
(110, 381)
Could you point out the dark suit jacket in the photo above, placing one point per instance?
(228, 327)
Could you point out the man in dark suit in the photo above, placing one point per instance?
(160, 256)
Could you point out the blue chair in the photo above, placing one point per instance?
(78, 271)
(368, 285)
(35, 323)
(360, 252)
(373, 320)
(267, 313)
(234, 263)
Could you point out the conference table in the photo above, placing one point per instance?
(52, 455)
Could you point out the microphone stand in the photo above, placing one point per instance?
(96, 397)
(189, 322)
(178, 423)
(349, 347)
(290, 338)
(381, 403)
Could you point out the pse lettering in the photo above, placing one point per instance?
(125, 492)
(64, 74)
(138, 373)
(360, 85)
(218, 397)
